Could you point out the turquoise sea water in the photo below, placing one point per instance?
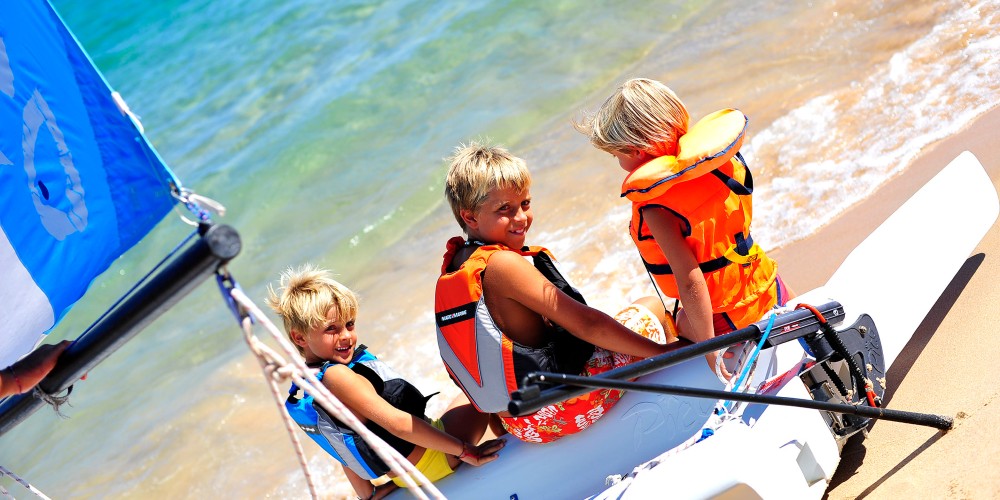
(322, 126)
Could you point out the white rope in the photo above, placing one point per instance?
(5, 472)
(272, 377)
(278, 370)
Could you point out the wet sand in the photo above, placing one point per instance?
(947, 368)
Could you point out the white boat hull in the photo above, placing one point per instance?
(895, 276)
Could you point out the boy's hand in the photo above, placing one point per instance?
(714, 359)
(484, 453)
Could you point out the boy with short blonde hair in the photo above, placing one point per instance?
(477, 170)
(308, 294)
(500, 316)
(319, 315)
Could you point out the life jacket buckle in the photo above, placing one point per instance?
(753, 255)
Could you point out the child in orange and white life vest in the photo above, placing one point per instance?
(500, 315)
(319, 317)
(691, 207)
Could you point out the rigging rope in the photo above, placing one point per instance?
(5, 472)
(277, 370)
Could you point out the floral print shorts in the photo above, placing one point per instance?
(571, 416)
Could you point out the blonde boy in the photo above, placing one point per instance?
(691, 207)
(319, 316)
(500, 316)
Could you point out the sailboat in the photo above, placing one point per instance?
(679, 432)
(81, 186)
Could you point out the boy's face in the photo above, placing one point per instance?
(332, 341)
(504, 217)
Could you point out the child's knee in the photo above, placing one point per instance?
(654, 304)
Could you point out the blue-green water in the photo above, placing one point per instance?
(323, 128)
(334, 117)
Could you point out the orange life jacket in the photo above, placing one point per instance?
(480, 358)
(708, 186)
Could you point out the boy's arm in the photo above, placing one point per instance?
(358, 394)
(696, 324)
(510, 276)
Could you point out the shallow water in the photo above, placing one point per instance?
(323, 126)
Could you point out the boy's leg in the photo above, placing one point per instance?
(464, 421)
(666, 319)
(654, 304)
(495, 428)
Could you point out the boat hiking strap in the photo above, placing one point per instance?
(291, 367)
(5, 472)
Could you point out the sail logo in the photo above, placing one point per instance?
(52, 179)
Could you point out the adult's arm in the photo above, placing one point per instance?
(28, 372)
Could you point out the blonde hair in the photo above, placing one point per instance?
(305, 297)
(476, 169)
(641, 115)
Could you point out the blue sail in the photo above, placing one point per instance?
(80, 182)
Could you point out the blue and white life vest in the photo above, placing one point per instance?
(342, 442)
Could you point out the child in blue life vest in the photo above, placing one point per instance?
(691, 207)
(319, 316)
(503, 309)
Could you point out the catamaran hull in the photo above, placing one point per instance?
(770, 451)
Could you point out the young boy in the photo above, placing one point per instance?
(319, 317)
(500, 316)
(691, 208)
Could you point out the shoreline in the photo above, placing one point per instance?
(943, 367)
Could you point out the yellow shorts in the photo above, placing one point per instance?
(433, 464)
(573, 415)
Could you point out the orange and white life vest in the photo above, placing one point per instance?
(482, 360)
(708, 186)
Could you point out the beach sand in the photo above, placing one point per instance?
(946, 368)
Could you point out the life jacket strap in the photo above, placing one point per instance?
(743, 252)
(744, 188)
(706, 267)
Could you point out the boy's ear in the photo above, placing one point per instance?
(641, 155)
(469, 217)
(298, 338)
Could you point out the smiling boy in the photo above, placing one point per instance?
(501, 316)
(319, 316)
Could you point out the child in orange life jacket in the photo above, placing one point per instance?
(691, 208)
(500, 316)
(319, 317)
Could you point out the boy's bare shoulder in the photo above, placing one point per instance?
(339, 373)
(512, 268)
(510, 260)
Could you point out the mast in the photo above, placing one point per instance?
(215, 246)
